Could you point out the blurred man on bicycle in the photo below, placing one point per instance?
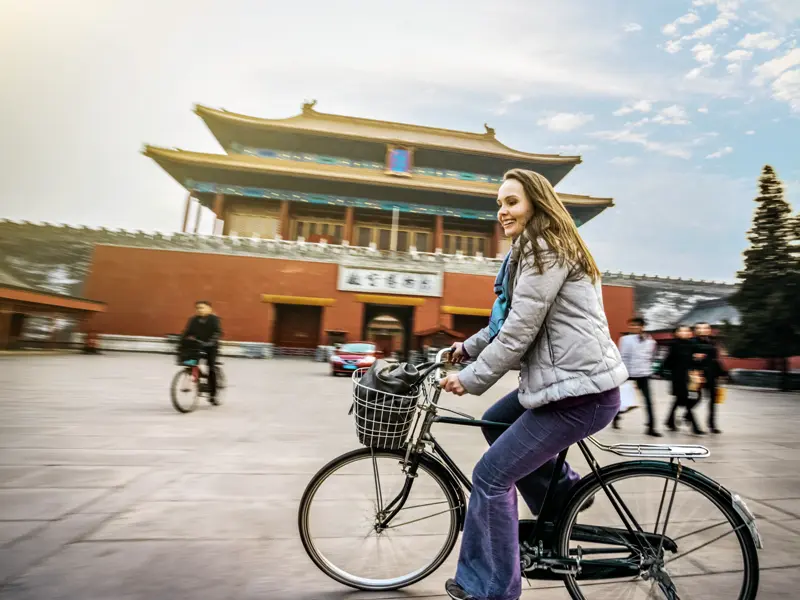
(202, 334)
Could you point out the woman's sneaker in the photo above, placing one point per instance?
(456, 592)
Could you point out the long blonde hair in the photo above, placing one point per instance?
(552, 223)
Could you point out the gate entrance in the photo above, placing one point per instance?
(389, 327)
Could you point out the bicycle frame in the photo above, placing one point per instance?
(537, 537)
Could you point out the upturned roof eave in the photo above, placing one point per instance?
(304, 122)
(333, 173)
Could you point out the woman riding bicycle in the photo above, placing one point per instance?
(549, 321)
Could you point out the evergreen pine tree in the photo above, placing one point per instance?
(766, 298)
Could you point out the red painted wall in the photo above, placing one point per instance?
(152, 293)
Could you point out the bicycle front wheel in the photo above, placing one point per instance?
(693, 542)
(184, 391)
(342, 508)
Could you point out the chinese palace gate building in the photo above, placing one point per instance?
(331, 228)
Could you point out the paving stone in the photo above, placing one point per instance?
(42, 504)
(78, 477)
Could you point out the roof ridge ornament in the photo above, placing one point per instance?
(489, 131)
(308, 107)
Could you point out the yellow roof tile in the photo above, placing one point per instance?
(311, 121)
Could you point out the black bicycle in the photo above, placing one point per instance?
(190, 383)
(386, 516)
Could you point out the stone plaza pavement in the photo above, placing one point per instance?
(106, 492)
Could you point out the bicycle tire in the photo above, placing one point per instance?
(433, 468)
(173, 392)
(222, 384)
(713, 491)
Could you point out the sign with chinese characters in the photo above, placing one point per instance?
(379, 281)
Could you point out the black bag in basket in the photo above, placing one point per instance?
(386, 393)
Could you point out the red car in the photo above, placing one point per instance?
(352, 356)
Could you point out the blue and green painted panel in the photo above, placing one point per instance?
(363, 164)
(202, 187)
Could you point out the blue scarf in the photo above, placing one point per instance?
(502, 305)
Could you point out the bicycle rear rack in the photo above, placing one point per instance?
(655, 450)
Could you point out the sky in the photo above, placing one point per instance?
(675, 106)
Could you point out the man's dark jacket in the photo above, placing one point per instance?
(204, 329)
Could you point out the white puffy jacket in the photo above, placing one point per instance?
(556, 332)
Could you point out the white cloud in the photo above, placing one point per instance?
(787, 89)
(750, 132)
(703, 109)
(738, 55)
(720, 153)
(718, 24)
(502, 108)
(687, 19)
(642, 106)
(725, 16)
(766, 40)
(781, 13)
(703, 53)
(694, 73)
(572, 148)
(773, 68)
(638, 123)
(626, 136)
(631, 27)
(734, 68)
(624, 161)
(702, 139)
(671, 115)
(565, 121)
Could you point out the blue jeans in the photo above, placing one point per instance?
(523, 455)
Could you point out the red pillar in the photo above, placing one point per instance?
(494, 244)
(219, 208)
(284, 227)
(438, 235)
(5, 326)
(186, 212)
(271, 318)
(349, 219)
(197, 218)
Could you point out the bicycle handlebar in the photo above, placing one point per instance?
(439, 362)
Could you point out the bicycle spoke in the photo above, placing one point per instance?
(444, 512)
(377, 476)
(423, 505)
(703, 530)
(716, 539)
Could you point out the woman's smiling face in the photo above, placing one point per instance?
(514, 209)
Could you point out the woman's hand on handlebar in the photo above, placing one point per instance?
(457, 353)
(452, 384)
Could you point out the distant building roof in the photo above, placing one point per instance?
(713, 312)
(341, 126)
(19, 293)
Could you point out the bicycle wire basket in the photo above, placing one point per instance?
(383, 420)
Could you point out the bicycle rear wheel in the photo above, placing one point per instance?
(343, 503)
(707, 550)
(184, 391)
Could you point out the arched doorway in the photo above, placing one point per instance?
(387, 333)
(389, 326)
